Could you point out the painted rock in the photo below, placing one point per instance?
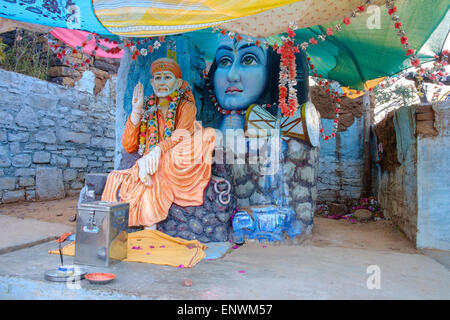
(196, 226)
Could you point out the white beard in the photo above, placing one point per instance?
(165, 93)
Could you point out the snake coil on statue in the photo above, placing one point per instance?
(224, 193)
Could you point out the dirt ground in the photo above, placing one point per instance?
(56, 211)
(375, 235)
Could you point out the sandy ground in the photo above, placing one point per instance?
(57, 211)
(374, 235)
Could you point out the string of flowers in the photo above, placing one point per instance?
(329, 32)
(392, 9)
(288, 67)
(438, 73)
(334, 95)
(435, 73)
(149, 121)
(215, 102)
(239, 38)
(63, 52)
(338, 27)
(288, 72)
(133, 46)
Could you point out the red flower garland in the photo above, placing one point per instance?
(288, 72)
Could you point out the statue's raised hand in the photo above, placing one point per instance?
(137, 103)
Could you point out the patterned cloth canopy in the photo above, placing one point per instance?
(366, 49)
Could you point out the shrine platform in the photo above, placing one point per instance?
(253, 271)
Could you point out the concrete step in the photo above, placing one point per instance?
(16, 233)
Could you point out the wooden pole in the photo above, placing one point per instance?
(367, 169)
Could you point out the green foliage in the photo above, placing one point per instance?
(2, 51)
(390, 95)
(27, 55)
(396, 94)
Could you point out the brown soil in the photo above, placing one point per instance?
(425, 117)
(350, 108)
(374, 235)
(56, 211)
(385, 132)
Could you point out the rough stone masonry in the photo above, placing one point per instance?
(51, 136)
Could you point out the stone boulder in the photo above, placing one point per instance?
(49, 184)
(337, 209)
(209, 222)
(363, 215)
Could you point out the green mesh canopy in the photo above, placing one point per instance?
(358, 54)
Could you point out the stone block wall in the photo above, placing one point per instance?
(397, 153)
(341, 159)
(341, 163)
(104, 69)
(413, 172)
(51, 136)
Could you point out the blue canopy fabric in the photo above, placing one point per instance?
(353, 56)
(71, 14)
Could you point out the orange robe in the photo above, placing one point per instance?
(184, 168)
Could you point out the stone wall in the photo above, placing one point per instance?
(104, 69)
(58, 72)
(341, 159)
(341, 163)
(413, 144)
(51, 136)
(397, 152)
(433, 176)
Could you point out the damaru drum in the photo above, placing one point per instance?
(303, 125)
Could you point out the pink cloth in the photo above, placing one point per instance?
(75, 38)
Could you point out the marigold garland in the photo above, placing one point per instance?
(214, 100)
(149, 122)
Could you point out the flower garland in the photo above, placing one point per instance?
(238, 37)
(288, 72)
(436, 73)
(414, 60)
(143, 51)
(288, 67)
(149, 122)
(221, 110)
(63, 52)
(334, 95)
(392, 9)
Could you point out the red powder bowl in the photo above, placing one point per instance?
(100, 278)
